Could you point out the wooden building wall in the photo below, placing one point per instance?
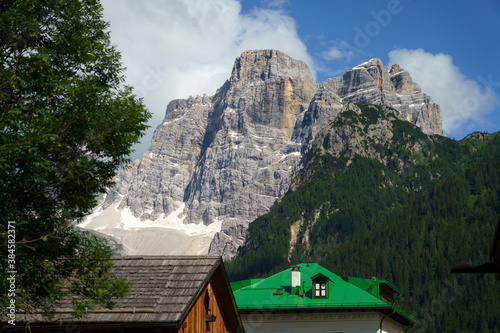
(196, 320)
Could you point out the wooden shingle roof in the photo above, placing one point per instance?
(163, 288)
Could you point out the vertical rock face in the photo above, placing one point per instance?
(369, 83)
(242, 169)
(217, 163)
(372, 83)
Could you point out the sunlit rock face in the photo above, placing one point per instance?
(217, 163)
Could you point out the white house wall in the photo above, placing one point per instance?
(321, 322)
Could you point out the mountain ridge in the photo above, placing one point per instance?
(361, 169)
(407, 222)
(217, 163)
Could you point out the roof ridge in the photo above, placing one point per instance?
(163, 257)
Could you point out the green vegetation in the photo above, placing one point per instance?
(66, 126)
(407, 221)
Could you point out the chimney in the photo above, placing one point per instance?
(296, 276)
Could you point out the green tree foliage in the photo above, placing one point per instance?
(67, 126)
(416, 248)
(433, 216)
(339, 197)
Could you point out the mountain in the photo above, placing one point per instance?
(361, 169)
(217, 163)
(378, 197)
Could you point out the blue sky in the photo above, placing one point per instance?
(457, 37)
(469, 31)
(176, 48)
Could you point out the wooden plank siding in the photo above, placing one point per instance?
(196, 320)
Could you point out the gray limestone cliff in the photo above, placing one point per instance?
(370, 83)
(225, 160)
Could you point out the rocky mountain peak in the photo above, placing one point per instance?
(395, 68)
(376, 69)
(371, 82)
(271, 89)
(217, 163)
(255, 65)
(479, 136)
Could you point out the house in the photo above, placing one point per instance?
(310, 298)
(168, 294)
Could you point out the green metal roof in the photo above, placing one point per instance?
(244, 283)
(370, 285)
(262, 294)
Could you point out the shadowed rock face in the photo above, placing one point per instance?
(227, 158)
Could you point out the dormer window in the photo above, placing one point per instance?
(322, 286)
(319, 289)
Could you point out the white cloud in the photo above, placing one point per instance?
(177, 48)
(276, 3)
(463, 101)
(333, 53)
(340, 50)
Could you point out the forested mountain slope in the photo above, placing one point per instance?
(380, 198)
(216, 163)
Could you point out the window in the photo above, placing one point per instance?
(319, 289)
(278, 291)
(207, 302)
(322, 285)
